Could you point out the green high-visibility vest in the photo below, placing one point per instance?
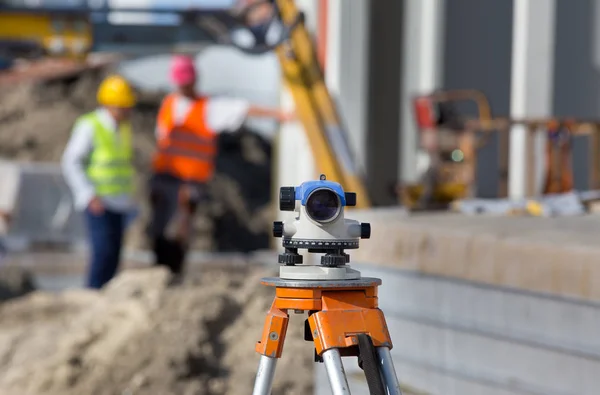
(110, 164)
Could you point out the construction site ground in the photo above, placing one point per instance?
(141, 335)
(144, 335)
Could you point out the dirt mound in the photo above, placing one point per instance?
(15, 282)
(35, 125)
(37, 118)
(141, 336)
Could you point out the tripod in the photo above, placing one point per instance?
(343, 320)
(343, 315)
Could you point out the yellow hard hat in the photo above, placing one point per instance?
(115, 91)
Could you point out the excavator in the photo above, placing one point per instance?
(252, 26)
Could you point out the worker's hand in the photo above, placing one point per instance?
(289, 116)
(95, 206)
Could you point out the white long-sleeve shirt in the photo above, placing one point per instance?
(222, 115)
(74, 159)
(10, 184)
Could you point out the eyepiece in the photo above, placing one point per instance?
(287, 198)
(323, 205)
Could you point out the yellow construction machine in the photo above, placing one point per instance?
(450, 143)
(293, 44)
(452, 140)
(34, 34)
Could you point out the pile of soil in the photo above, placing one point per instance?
(15, 282)
(142, 335)
(36, 121)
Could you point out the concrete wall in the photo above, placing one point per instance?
(382, 156)
(485, 305)
(454, 337)
(477, 49)
(577, 59)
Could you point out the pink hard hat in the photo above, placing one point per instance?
(183, 70)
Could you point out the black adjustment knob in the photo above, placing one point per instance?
(287, 198)
(290, 259)
(350, 199)
(365, 230)
(333, 260)
(277, 229)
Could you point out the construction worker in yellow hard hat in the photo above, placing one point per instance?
(98, 166)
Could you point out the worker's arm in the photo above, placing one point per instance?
(73, 161)
(161, 129)
(228, 114)
(274, 113)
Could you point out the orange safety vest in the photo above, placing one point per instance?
(186, 150)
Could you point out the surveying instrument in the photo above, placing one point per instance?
(343, 315)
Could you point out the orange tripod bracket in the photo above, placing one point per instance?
(338, 312)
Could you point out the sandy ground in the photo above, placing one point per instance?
(143, 336)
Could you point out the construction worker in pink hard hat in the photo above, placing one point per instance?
(187, 127)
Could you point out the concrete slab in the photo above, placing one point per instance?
(559, 256)
(456, 337)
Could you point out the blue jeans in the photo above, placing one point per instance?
(106, 237)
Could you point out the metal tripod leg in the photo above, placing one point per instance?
(264, 376)
(388, 371)
(335, 370)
